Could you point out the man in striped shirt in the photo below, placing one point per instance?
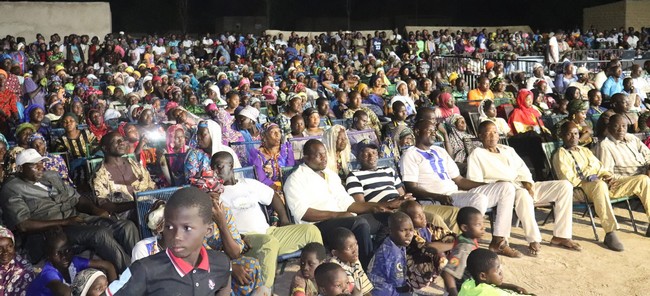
(383, 184)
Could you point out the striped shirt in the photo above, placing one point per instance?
(378, 185)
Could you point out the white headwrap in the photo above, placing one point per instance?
(329, 139)
(84, 280)
(215, 134)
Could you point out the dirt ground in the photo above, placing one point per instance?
(594, 271)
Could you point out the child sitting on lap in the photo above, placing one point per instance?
(425, 254)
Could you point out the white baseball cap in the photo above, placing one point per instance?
(29, 156)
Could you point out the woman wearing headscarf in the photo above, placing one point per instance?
(458, 137)
(578, 114)
(338, 150)
(565, 78)
(16, 273)
(487, 111)
(89, 282)
(529, 131)
(403, 96)
(22, 133)
(209, 142)
(78, 143)
(176, 144)
(56, 110)
(35, 114)
(271, 156)
(378, 85)
(134, 112)
(76, 107)
(96, 124)
(247, 125)
(525, 118)
(498, 87)
(447, 106)
(53, 162)
(226, 121)
(400, 138)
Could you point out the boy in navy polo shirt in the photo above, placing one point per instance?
(186, 267)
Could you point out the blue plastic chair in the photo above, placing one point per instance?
(144, 201)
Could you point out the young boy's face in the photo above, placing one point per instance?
(402, 233)
(474, 229)
(98, 287)
(494, 275)
(308, 263)
(417, 216)
(61, 255)
(338, 285)
(350, 252)
(184, 232)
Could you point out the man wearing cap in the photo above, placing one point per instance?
(538, 74)
(37, 200)
(584, 83)
(371, 183)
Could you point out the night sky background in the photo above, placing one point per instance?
(161, 16)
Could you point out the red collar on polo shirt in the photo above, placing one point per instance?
(184, 268)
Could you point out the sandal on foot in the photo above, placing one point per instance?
(567, 244)
(505, 250)
(534, 249)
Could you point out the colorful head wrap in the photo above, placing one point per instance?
(6, 233)
(29, 109)
(171, 131)
(35, 136)
(23, 126)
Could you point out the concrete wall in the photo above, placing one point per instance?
(637, 14)
(26, 19)
(604, 17)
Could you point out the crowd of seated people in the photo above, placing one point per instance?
(356, 150)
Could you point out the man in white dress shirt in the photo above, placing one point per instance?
(430, 173)
(316, 195)
(495, 162)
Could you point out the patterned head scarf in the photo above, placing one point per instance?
(171, 131)
(6, 233)
(23, 126)
(34, 137)
(4, 140)
(495, 82)
(84, 280)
